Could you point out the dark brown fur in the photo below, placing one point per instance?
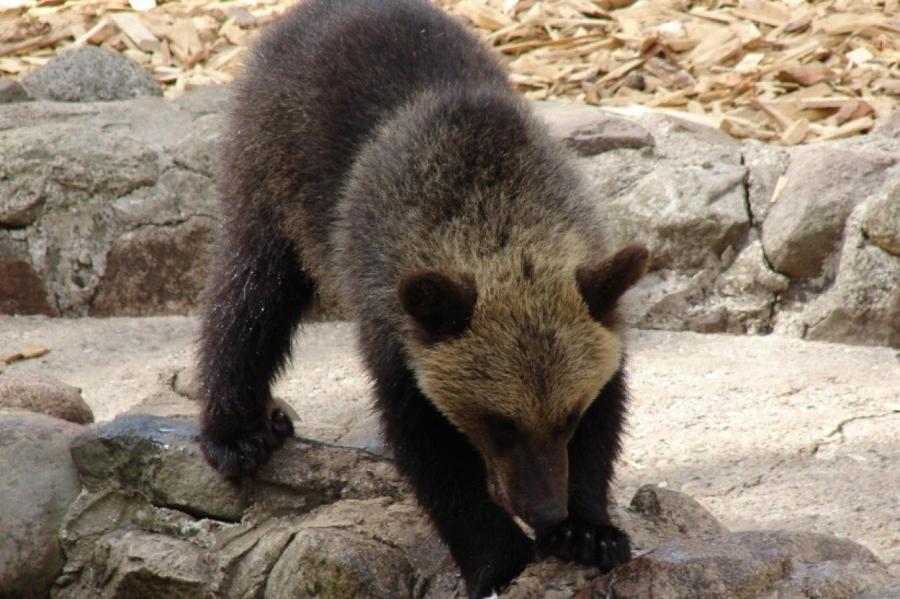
(376, 149)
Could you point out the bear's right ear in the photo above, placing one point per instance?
(441, 306)
(601, 285)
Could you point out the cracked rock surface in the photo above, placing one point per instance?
(85, 188)
(766, 432)
(107, 208)
(344, 526)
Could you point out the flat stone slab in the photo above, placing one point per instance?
(766, 432)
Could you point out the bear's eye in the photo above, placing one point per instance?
(502, 431)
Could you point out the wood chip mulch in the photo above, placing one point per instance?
(787, 72)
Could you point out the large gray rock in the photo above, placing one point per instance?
(91, 74)
(38, 482)
(328, 562)
(304, 475)
(863, 303)
(83, 185)
(154, 516)
(657, 516)
(686, 213)
(803, 229)
(136, 563)
(44, 394)
(739, 299)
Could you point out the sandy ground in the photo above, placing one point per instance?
(767, 432)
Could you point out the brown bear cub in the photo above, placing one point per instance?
(376, 149)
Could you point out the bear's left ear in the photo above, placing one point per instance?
(601, 285)
(441, 306)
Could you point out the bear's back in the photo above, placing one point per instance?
(317, 84)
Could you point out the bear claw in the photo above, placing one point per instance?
(601, 545)
(242, 453)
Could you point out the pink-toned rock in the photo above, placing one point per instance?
(155, 270)
(38, 482)
(44, 394)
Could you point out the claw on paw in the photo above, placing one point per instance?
(601, 545)
(240, 454)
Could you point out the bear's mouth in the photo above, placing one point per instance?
(499, 495)
(500, 498)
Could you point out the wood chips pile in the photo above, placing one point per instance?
(788, 72)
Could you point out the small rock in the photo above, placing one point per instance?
(746, 564)
(591, 131)
(45, 395)
(331, 562)
(657, 516)
(184, 383)
(881, 221)
(91, 74)
(38, 482)
(12, 91)
(22, 290)
(804, 227)
(138, 563)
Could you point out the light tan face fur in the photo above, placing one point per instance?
(532, 354)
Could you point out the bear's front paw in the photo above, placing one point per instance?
(240, 454)
(575, 540)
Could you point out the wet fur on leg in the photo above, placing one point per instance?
(256, 296)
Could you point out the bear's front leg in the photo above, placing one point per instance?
(587, 536)
(449, 480)
(256, 294)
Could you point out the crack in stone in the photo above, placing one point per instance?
(746, 196)
(839, 430)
